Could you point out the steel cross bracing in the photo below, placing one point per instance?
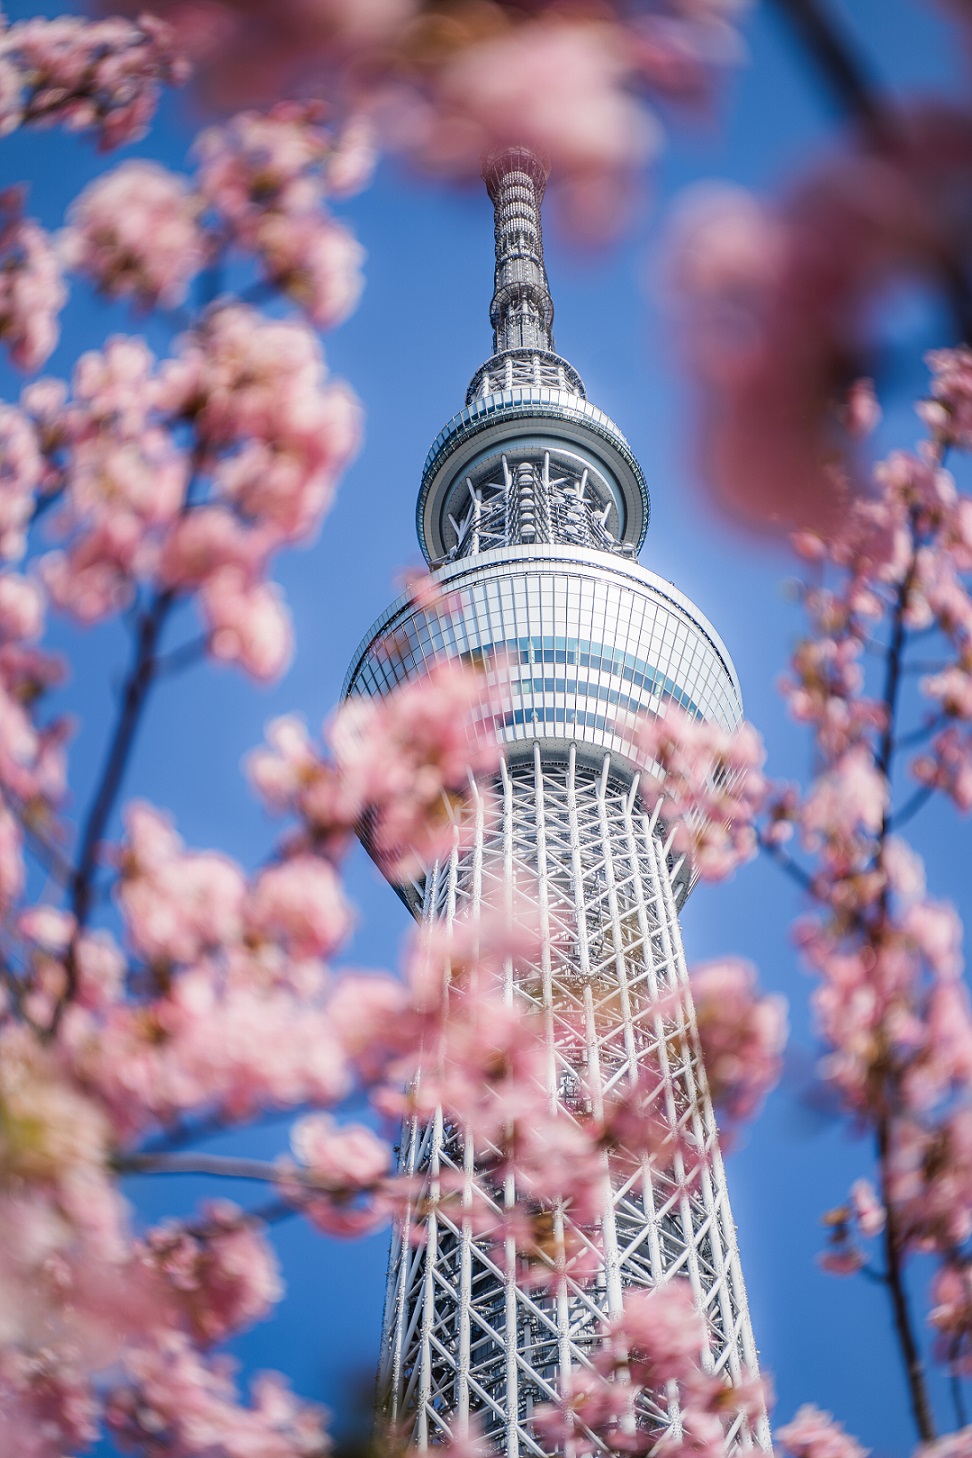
(519, 502)
(462, 1337)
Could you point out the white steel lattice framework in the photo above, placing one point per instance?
(531, 511)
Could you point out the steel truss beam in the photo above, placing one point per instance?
(462, 1337)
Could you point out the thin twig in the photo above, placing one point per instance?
(918, 736)
(879, 1278)
(787, 864)
(185, 656)
(911, 807)
(958, 1396)
(893, 1244)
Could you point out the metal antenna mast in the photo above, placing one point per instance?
(531, 512)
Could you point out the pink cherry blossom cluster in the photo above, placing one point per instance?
(85, 75)
(710, 784)
(891, 1007)
(815, 1434)
(262, 189)
(655, 1346)
(267, 177)
(81, 1296)
(135, 231)
(398, 767)
(32, 753)
(32, 290)
(742, 1036)
(750, 278)
(185, 477)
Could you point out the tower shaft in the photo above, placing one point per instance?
(464, 1337)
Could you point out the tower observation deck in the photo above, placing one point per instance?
(531, 512)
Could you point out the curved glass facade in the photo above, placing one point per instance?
(580, 643)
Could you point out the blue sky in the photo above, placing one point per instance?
(421, 330)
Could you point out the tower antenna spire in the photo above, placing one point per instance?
(521, 312)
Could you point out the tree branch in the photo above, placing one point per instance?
(911, 807)
(787, 864)
(900, 1306)
(229, 1167)
(852, 87)
(223, 1166)
(135, 693)
(839, 66)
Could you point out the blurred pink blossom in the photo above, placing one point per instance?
(300, 905)
(248, 623)
(268, 177)
(20, 474)
(134, 232)
(742, 1035)
(32, 291)
(776, 304)
(815, 1434)
(176, 1401)
(710, 784)
(221, 1270)
(105, 75)
(175, 904)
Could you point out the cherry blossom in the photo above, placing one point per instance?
(948, 412)
(104, 75)
(248, 623)
(267, 176)
(446, 93)
(951, 1314)
(257, 393)
(299, 905)
(134, 231)
(815, 1434)
(222, 1270)
(954, 1445)
(32, 290)
(345, 1162)
(710, 785)
(775, 308)
(742, 1035)
(175, 904)
(178, 1404)
(657, 1343)
(20, 473)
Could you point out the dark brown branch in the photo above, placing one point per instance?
(900, 1306)
(893, 1246)
(135, 693)
(858, 96)
(839, 66)
(911, 807)
(955, 1382)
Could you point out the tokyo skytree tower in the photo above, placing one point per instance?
(531, 513)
